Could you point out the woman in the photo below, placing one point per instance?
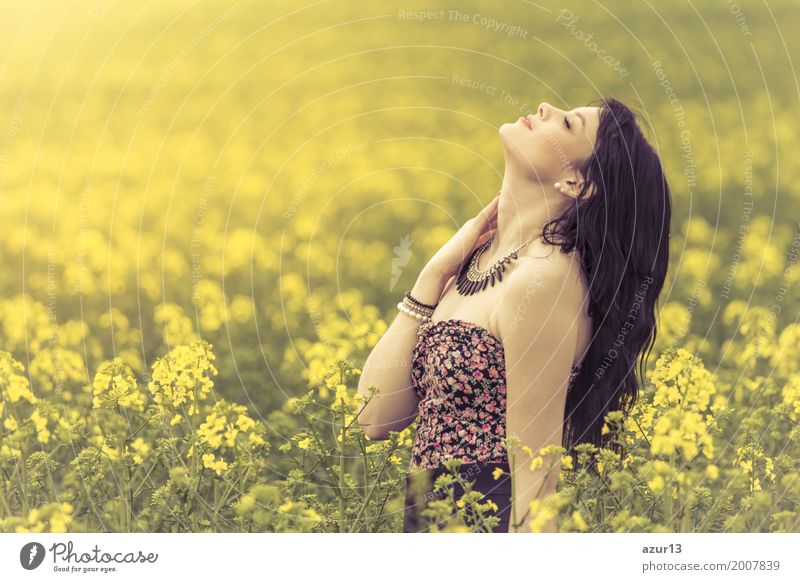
(507, 337)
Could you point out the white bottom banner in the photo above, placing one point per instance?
(400, 557)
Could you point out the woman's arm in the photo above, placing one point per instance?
(389, 367)
(538, 322)
(389, 364)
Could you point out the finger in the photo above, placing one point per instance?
(484, 218)
(483, 238)
(490, 209)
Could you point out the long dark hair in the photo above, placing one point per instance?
(620, 224)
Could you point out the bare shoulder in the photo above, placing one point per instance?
(538, 287)
(556, 272)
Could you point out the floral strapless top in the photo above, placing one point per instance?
(458, 370)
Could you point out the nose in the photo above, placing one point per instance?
(542, 109)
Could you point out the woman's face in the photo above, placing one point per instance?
(546, 143)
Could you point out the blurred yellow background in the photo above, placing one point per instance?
(271, 176)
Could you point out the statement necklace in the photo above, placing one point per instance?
(471, 279)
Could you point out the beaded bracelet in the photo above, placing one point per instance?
(414, 308)
(418, 302)
(415, 314)
(418, 306)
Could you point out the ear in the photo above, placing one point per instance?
(574, 185)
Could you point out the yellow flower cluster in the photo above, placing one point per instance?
(25, 324)
(114, 385)
(184, 375)
(142, 450)
(755, 464)
(657, 472)
(211, 304)
(220, 430)
(216, 465)
(58, 368)
(14, 385)
(682, 398)
(339, 338)
(225, 423)
(39, 421)
(543, 511)
(791, 398)
(176, 327)
(49, 517)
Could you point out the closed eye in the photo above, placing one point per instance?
(566, 123)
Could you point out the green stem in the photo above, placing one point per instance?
(195, 475)
(7, 509)
(668, 502)
(377, 522)
(514, 523)
(364, 456)
(324, 454)
(129, 511)
(141, 426)
(216, 505)
(145, 478)
(342, 528)
(372, 490)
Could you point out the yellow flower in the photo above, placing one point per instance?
(209, 462)
(579, 522)
(245, 423)
(656, 484)
(10, 424)
(15, 383)
(303, 444)
(210, 431)
(114, 385)
(221, 430)
(497, 473)
(40, 422)
(112, 453)
(182, 375)
(140, 446)
(536, 463)
(342, 397)
(61, 518)
(566, 462)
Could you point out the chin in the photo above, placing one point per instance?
(511, 126)
(512, 135)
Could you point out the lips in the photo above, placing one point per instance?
(526, 121)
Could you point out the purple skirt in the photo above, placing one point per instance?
(420, 491)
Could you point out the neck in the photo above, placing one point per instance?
(524, 208)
